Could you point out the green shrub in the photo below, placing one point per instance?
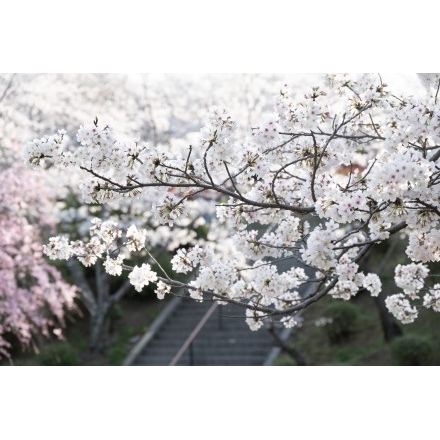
(61, 354)
(344, 317)
(116, 354)
(412, 350)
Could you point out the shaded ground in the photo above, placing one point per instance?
(130, 320)
(365, 346)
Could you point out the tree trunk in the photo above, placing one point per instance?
(390, 327)
(99, 322)
(100, 329)
(98, 303)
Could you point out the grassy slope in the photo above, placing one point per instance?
(131, 319)
(365, 347)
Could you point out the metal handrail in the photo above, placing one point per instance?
(193, 335)
(153, 330)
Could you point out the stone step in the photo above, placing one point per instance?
(211, 361)
(209, 352)
(225, 339)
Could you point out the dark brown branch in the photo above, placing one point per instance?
(232, 179)
(125, 189)
(292, 352)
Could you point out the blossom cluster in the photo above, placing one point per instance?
(411, 279)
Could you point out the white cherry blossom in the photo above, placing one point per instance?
(142, 276)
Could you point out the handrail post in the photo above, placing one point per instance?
(188, 343)
(191, 354)
(220, 319)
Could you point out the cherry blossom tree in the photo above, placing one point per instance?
(323, 180)
(31, 104)
(151, 106)
(33, 295)
(167, 125)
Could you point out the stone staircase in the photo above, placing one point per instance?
(224, 340)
